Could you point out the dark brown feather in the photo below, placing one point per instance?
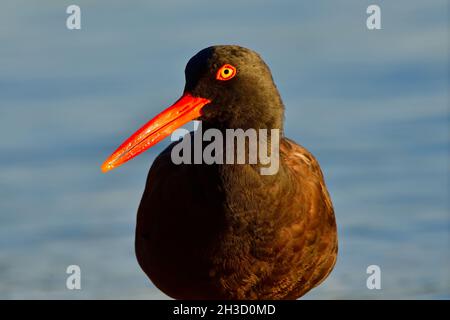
(227, 232)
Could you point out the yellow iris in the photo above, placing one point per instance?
(226, 72)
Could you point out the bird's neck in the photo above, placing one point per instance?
(262, 166)
(239, 184)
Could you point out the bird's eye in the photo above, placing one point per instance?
(226, 72)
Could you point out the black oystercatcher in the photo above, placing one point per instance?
(224, 231)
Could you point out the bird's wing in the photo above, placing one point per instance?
(307, 245)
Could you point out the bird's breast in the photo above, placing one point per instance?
(224, 231)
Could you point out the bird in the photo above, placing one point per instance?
(224, 231)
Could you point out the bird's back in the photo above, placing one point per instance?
(226, 232)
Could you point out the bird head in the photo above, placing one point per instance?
(226, 87)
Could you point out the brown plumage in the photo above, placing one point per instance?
(203, 234)
(224, 231)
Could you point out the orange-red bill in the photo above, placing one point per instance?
(187, 108)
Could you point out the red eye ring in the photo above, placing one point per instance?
(226, 72)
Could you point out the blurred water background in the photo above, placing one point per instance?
(371, 105)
